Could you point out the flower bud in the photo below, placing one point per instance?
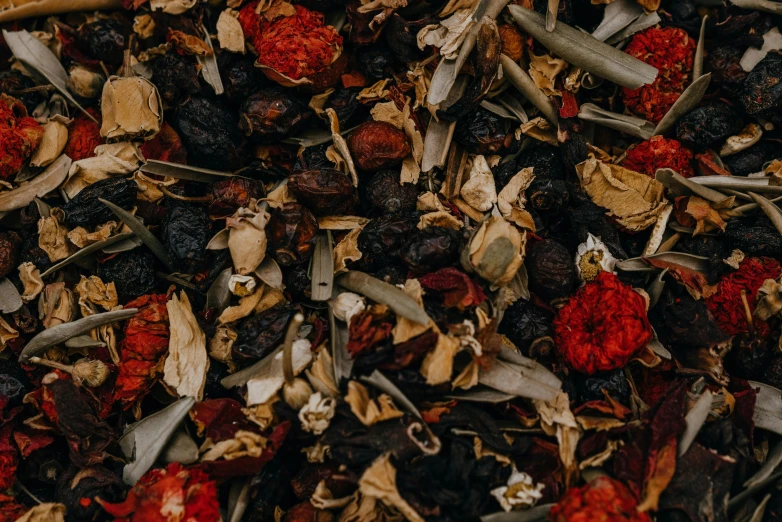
(297, 394)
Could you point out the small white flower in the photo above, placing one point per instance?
(241, 285)
(592, 258)
(348, 304)
(520, 491)
(316, 415)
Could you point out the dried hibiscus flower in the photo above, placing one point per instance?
(659, 153)
(671, 51)
(83, 137)
(19, 135)
(604, 499)
(602, 326)
(174, 493)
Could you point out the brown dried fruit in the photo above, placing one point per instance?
(9, 252)
(376, 145)
(291, 234)
(512, 42)
(326, 192)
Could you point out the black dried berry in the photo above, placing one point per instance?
(11, 82)
(431, 248)
(773, 373)
(14, 384)
(271, 115)
(185, 232)
(376, 63)
(381, 239)
(725, 66)
(481, 132)
(549, 195)
(241, 79)
(103, 40)
(386, 193)
(552, 273)
(754, 238)
(210, 134)
(753, 159)
(762, 92)
(708, 125)
(133, 273)
(175, 76)
(591, 387)
(10, 243)
(523, 322)
(262, 333)
(85, 209)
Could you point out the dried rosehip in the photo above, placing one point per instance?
(523, 322)
(83, 136)
(325, 192)
(176, 76)
(385, 192)
(291, 234)
(603, 499)
(260, 334)
(271, 115)
(85, 209)
(659, 153)
(186, 231)
(752, 160)
(9, 252)
(132, 272)
(431, 248)
(381, 240)
(19, 136)
(481, 132)
(210, 134)
(233, 193)
(103, 40)
(552, 274)
(707, 125)
(762, 93)
(376, 145)
(602, 326)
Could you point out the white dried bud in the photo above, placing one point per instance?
(520, 491)
(593, 257)
(348, 304)
(316, 415)
(241, 285)
(297, 394)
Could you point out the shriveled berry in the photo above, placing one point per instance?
(132, 272)
(325, 192)
(376, 63)
(260, 334)
(751, 160)
(86, 209)
(549, 194)
(552, 273)
(481, 132)
(241, 79)
(272, 114)
(14, 384)
(431, 248)
(762, 93)
(381, 239)
(233, 193)
(210, 133)
(386, 193)
(103, 40)
(590, 387)
(376, 145)
(523, 322)
(773, 373)
(291, 234)
(186, 231)
(176, 76)
(708, 124)
(10, 243)
(725, 66)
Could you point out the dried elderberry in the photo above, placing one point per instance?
(210, 134)
(104, 40)
(762, 93)
(272, 114)
(261, 333)
(176, 76)
(593, 387)
(241, 79)
(430, 249)
(708, 125)
(481, 132)
(14, 384)
(186, 230)
(523, 322)
(552, 274)
(291, 234)
(385, 192)
(753, 159)
(85, 208)
(12, 82)
(381, 240)
(725, 66)
(133, 273)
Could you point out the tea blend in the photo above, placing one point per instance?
(387, 260)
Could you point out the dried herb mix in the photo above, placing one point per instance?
(390, 260)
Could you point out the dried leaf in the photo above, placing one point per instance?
(322, 268)
(187, 362)
(229, 32)
(528, 88)
(55, 136)
(695, 419)
(32, 281)
(370, 411)
(631, 125)
(635, 200)
(617, 16)
(688, 100)
(379, 482)
(84, 252)
(384, 293)
(768, 407)
(209, 67)
(175, 170)
(141, 232)
(131, 109)
(10, 300)
(144, 441)
(39, 186)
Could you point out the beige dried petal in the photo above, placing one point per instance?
(429, 202)
(454, 5)
(93, 291)
(187, 362)
(32, 281)
(262, 388)
(598, 459)
(376, 91)
(247, 239)
(7, 333)
(388, 112)
(421, 78)
(512, 195)
(769, 300)
(221, 344)
(174, 7)
(379, 482)
(229, 31)
(411, 171)
(322, 370)
(271, 298)
(110, 160)
(481, 451)
(367, 410)
(479, 191)
(131, 108)
(405, 329)
(80, 237)
(323, 498)
(437, 366)
(57, 305)
(262, 414)
(774, 172)
(442, 219)
(243, 309)
(144, 26)
(496, 251)
(469, 376)
(318, 103)
(341, 222)
(449, 34)
(84, 82)
(557, 419)
(316, 415)
(544, 70)
(55, 136)
(341, 147)
(148, 188)
(243, 444)
(53, 236)
(373, 5)
(347, 250)
(540, 129)
(634, 199)
(47, 512)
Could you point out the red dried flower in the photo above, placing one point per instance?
(602, 326)
(83, 137)
(726, 304)
(163, 495)
(143, 348)
(602, 500)
(456, 287)
(671, 51)
(165, 146)
(370, 327)
(659, 153)
(19, 136)
(297, 46)
(10, 509)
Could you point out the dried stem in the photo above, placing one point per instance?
(287, 350)
(169, 194)
(52, 364)
(747, 311)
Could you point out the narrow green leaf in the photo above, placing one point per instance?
(384, 293)
(89, 249)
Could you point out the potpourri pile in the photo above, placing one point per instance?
(387, 260)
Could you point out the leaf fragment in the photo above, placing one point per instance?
(210, 69)
(323, 267)
(688, 100)
(768, 407)
(39, 186)
(383, 293)
(141, 231)
(177, 171)
(84, 252)
(631, 125)
(10, 300)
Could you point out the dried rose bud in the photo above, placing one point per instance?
(19, 136)
(9, 252)
(602, 326)
(325, 192)
(376, 145)
(385, 192)
(512, 42)
(84, 82)
(291, 234)
(132, 109)
(495, 252)
(550, 269)
(602, 499)
(233, 193)
(271, 115)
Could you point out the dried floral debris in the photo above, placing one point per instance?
(353, 260)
